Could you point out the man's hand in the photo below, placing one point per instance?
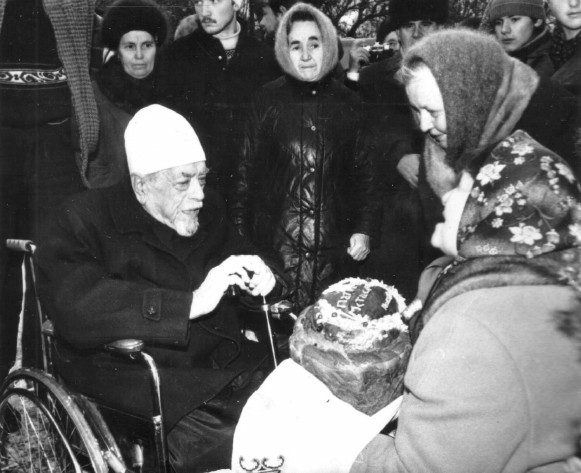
(359, 246)
(358, 55)
(248, 272)
(409, 168)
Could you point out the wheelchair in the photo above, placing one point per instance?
(45, 427)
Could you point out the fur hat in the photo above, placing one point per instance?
(404, 11)
(384, 28)
(133, 15)
(158, 138)
(328, 38)
(531, 8)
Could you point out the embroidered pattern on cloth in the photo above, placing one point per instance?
(525, 201)
(32, 76)
(265, 465)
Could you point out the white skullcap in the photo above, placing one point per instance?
(158, 138)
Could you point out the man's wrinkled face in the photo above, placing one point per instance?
(216, 16)
(568, 14)
(413, 31)
(175, 196)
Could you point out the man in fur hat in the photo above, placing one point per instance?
(209, 75)
(150, 258)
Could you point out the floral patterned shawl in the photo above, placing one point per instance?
(525, 201)
(521, 226)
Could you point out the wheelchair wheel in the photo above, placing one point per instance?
(42, 429)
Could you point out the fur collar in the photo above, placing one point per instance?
(560, 268)
(126, 92)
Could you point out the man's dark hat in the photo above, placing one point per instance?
(384, 28)
(124, 16)
(404, 11)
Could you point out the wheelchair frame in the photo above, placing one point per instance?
(67, 429)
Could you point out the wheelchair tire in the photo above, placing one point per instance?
(42, 429)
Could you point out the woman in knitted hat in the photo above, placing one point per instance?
(520, 27)
(132, 31)
(304, 191)
(493, 379)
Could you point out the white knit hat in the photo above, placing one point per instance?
(158, 138)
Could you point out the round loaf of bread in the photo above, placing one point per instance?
(353, 340)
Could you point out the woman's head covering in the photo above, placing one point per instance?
(532, 8)
(525, 201)
(484, 91)
(304, 12)
(133, 15)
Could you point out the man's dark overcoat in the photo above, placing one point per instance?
(108, 271)
(196, 79)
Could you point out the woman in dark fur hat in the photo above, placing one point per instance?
(132, 31)
(493, 379)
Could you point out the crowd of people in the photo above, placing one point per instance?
(155, 173)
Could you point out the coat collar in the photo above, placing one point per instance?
(213, 46)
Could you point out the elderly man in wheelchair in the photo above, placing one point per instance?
(151, 259)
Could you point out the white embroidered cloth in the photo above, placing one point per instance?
(294, 424)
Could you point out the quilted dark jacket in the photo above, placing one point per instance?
(303, 188)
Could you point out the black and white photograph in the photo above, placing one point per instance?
(290, 236)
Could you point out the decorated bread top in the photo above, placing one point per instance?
(359, 313)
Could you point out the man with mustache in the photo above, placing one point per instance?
(151, 258)
(209, 75)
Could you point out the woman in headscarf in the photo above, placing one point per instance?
(132, 31)
(520, 28)
(304, 191)
(493, 379)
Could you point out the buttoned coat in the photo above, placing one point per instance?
(303, 186)
(108, 271)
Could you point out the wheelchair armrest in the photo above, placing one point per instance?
(128, 346)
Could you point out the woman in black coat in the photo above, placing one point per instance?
(132, 31)
(303, 190)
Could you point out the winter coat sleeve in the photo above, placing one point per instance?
(465, 408)
(365, 192)
(239, 202)
(91, 307)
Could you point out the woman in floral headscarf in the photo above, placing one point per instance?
(494, 376)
